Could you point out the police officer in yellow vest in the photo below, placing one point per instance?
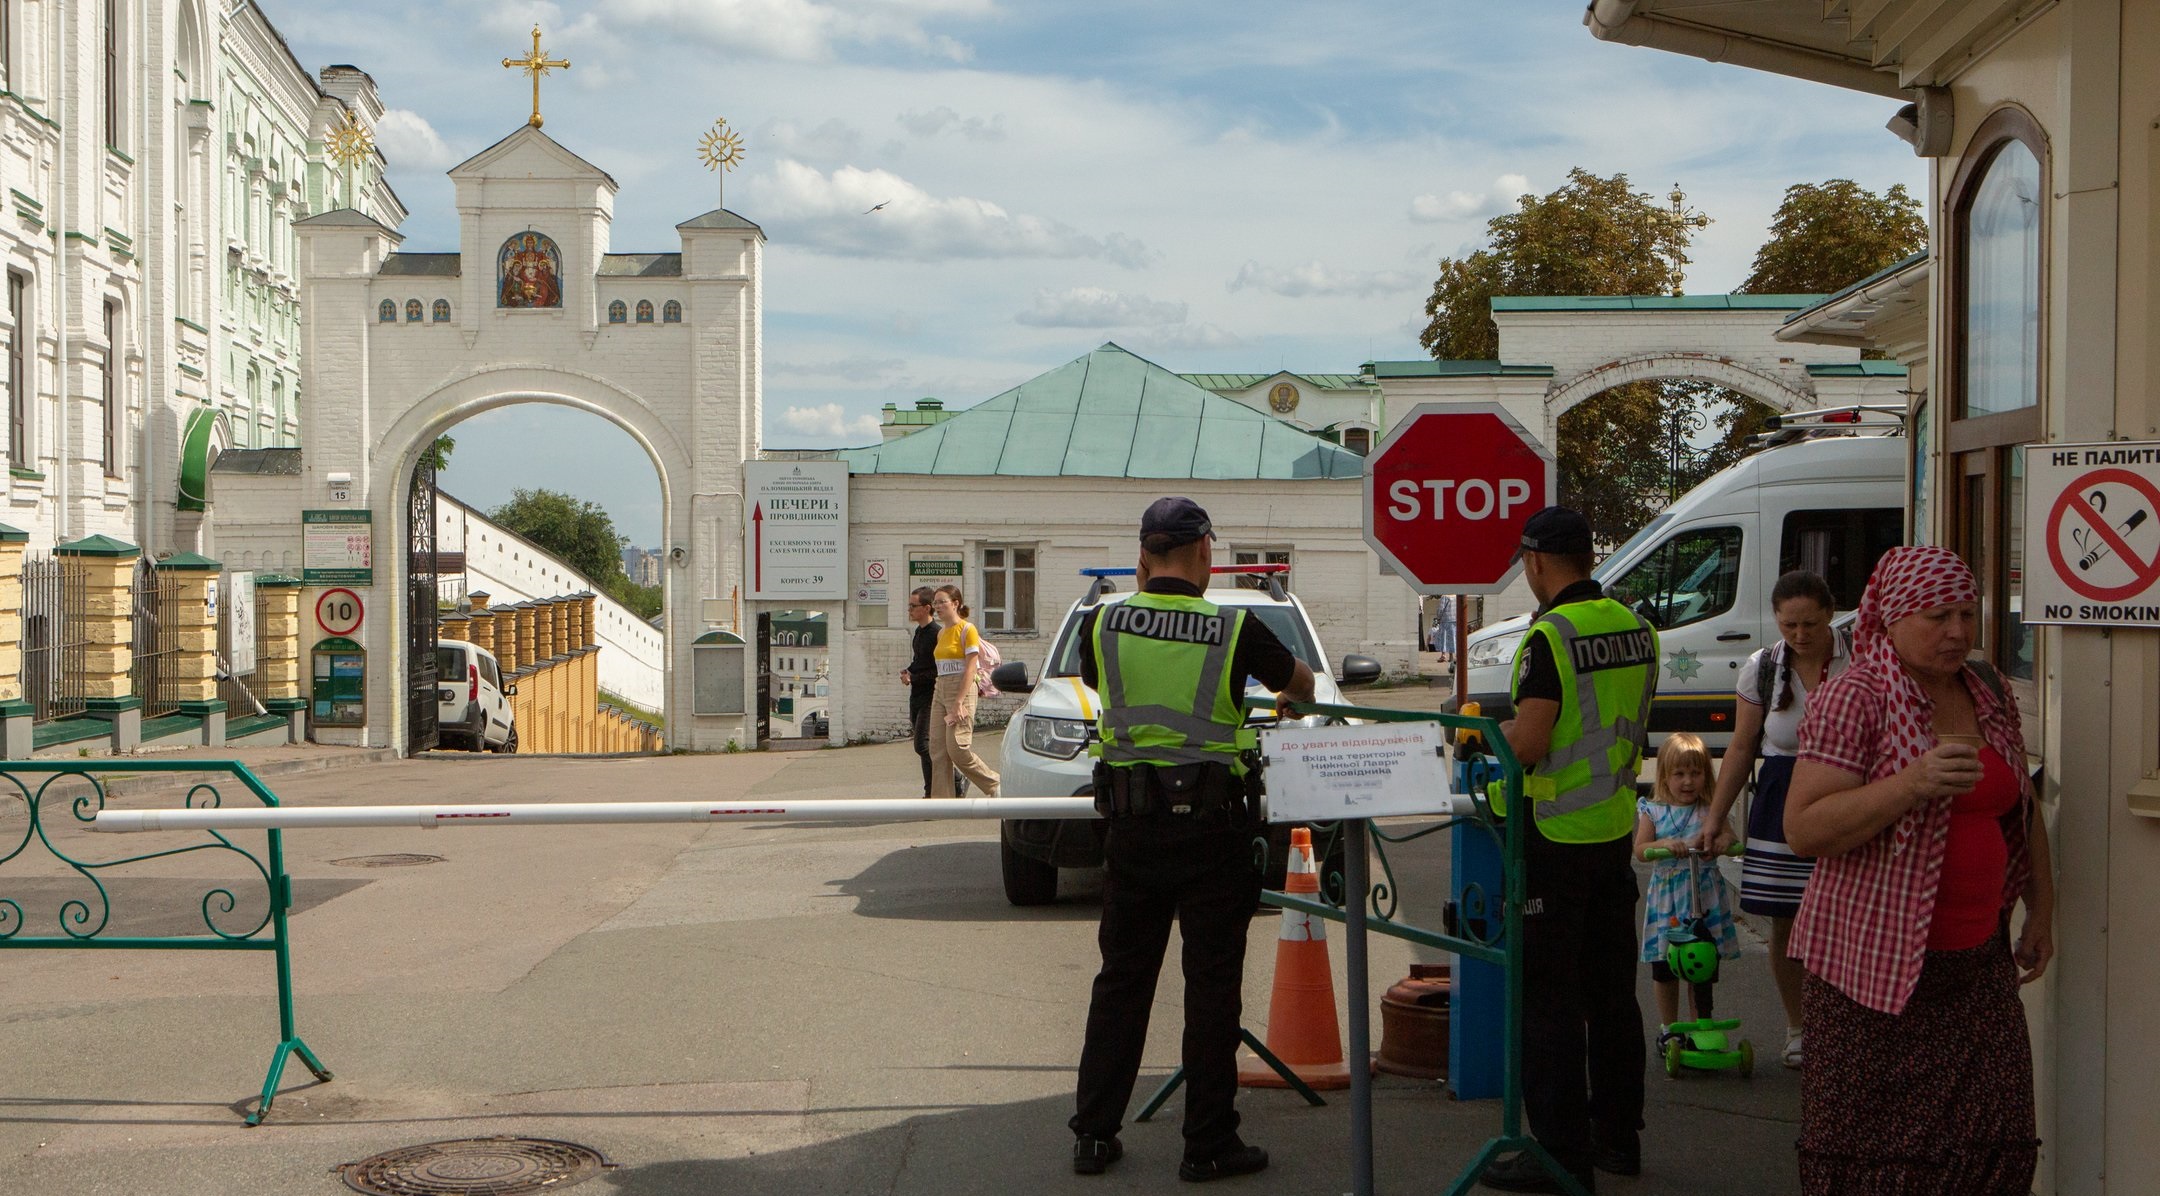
(1171, 668)
(1584, 677)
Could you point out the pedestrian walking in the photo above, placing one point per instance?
(952, 703)
(1673, 818)
(1584, 677)
(1911, 792)
(1170, 668)
(1774, 686)
(920, 676)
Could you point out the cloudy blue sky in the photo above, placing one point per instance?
(1220, 186)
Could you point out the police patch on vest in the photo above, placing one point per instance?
(1177, 626)
(1612, 650)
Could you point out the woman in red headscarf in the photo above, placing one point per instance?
(1911, 787)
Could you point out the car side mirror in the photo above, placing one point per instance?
(1012, 677)
(509, 691)
(1359, 670)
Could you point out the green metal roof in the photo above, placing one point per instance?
(1502, 303)
(1423, 368)
(1110, 414)
(1221, 382)
(1896, 267)
(1857, 369)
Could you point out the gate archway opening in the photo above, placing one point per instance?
(1629, 450)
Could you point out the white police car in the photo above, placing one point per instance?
(1045, 748)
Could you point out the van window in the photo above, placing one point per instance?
(488, 673)
(1687, 579)
(1841, 545)
(449, 663)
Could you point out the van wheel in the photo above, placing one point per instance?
(1027, 881)
(509, 742)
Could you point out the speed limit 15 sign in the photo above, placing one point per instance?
(339, 611)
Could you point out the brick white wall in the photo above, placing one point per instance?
(1076, 523)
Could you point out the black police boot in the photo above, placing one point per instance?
(1521, 1173)
(1093, 1156)
(1619, 1154)
(1238, 1160)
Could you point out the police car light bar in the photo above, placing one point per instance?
(1129, 571)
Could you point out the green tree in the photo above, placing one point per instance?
(437, 456)
(642, 601)
(1825, 238)
(576, 530)
(1592, 236)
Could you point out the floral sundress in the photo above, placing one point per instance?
(1665, 906)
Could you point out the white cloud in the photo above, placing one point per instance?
(859, 365)
(408, 140)
(1178, 337)
(832, 140)
(940, 118)
(1432, 208)
(1095, 307)
(834, 213)
(804, 30)
(831, 422)
(1316, 279)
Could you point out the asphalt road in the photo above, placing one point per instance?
(812, 1008)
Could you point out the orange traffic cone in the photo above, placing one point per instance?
(1303, 1031)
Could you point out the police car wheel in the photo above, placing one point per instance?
(1027, 881)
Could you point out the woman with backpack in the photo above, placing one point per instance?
(958, 655)
(1774, 686)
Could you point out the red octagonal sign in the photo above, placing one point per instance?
(1447, 494)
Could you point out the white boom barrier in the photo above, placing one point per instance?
(587, 813)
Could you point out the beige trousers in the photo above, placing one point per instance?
(953, 747)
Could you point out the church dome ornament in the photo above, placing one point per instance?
(536, 64)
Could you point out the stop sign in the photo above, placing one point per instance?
(1447, 494)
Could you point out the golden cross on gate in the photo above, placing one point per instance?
(536, 65)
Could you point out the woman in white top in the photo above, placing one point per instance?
(1773, 687)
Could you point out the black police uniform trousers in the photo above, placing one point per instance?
(1198, 869)
(1580, 1017)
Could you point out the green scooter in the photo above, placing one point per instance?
(1707, 1044)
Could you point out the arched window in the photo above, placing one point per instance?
(386, 313)
(442, 311)
(528, 272)
(278, 413)
(671, 313)
(617, 313)
(412, 311)
(644, 311)
(1997, 246)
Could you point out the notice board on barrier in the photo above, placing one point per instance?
(1320, 774)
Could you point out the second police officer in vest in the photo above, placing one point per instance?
(1171, 668)
(1584, 677)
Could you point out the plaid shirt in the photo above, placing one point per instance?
(1863, 923)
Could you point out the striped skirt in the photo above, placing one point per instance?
(1771, 876)
(1934, 1101)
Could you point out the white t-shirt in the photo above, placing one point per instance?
(1781, 728)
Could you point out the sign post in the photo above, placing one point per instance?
(1447, 494)
(2092, 535)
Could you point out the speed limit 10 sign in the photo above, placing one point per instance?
(339, 611)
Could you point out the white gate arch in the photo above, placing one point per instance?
(1568, 393)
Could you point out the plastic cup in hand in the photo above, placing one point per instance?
(1975, 742)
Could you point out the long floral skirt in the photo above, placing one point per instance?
(1934, 1101)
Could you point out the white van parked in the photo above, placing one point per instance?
(1701, 572)
(472, 705)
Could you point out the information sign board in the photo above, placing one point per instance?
(1320, 774)
(337, 547)
(240, 631)
(796, 527)
(2092, 535)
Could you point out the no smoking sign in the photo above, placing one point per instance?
(2092, 531)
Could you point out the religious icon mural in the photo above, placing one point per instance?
(528, 272)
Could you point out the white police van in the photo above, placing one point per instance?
(1827, 494)
(1045, 748)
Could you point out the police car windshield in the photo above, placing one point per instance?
(1280, 618)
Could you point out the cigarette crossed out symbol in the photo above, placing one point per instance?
(2098, 534)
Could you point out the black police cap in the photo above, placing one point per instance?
(1174, 522)
(1560, 531)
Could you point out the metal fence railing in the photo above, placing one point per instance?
(155, 673)
(55, 636)
(239, 645)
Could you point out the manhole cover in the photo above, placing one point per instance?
(475, 1167)
(400, 859)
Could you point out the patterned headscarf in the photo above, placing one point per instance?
(1907, 581)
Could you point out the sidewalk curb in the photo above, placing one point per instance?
(118, 783)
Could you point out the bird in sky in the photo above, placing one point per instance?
(878, 208)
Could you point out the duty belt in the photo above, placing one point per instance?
(1181, 790)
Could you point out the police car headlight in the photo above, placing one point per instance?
(1058, 738)
(1495, 651)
